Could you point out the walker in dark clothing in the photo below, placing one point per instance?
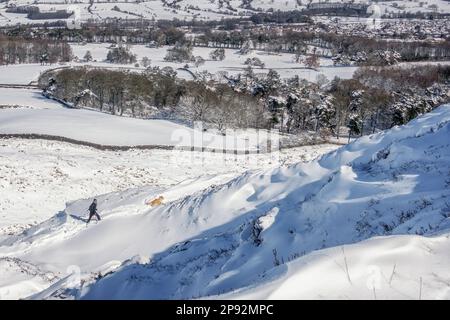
(93, 211)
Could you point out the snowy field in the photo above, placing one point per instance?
(22, 73)
(31, 113)
(28, 98)
(189, 9)
(369, 220)
(93, 127)
(90, 126)
(233, 64)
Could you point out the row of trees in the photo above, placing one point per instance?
(18, 50)
(118, 31)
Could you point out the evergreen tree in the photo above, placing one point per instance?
(354, 120)
(88, 56)
(217, 54)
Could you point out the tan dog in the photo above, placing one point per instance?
(156, 202)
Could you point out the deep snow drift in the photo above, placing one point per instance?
(258, 235)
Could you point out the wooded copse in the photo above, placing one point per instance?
(121, 54)
(154, 93)
(377, 98)
(106, 32)
(18, 50)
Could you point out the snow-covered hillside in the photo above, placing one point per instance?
(39, 177)
(256, 234)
